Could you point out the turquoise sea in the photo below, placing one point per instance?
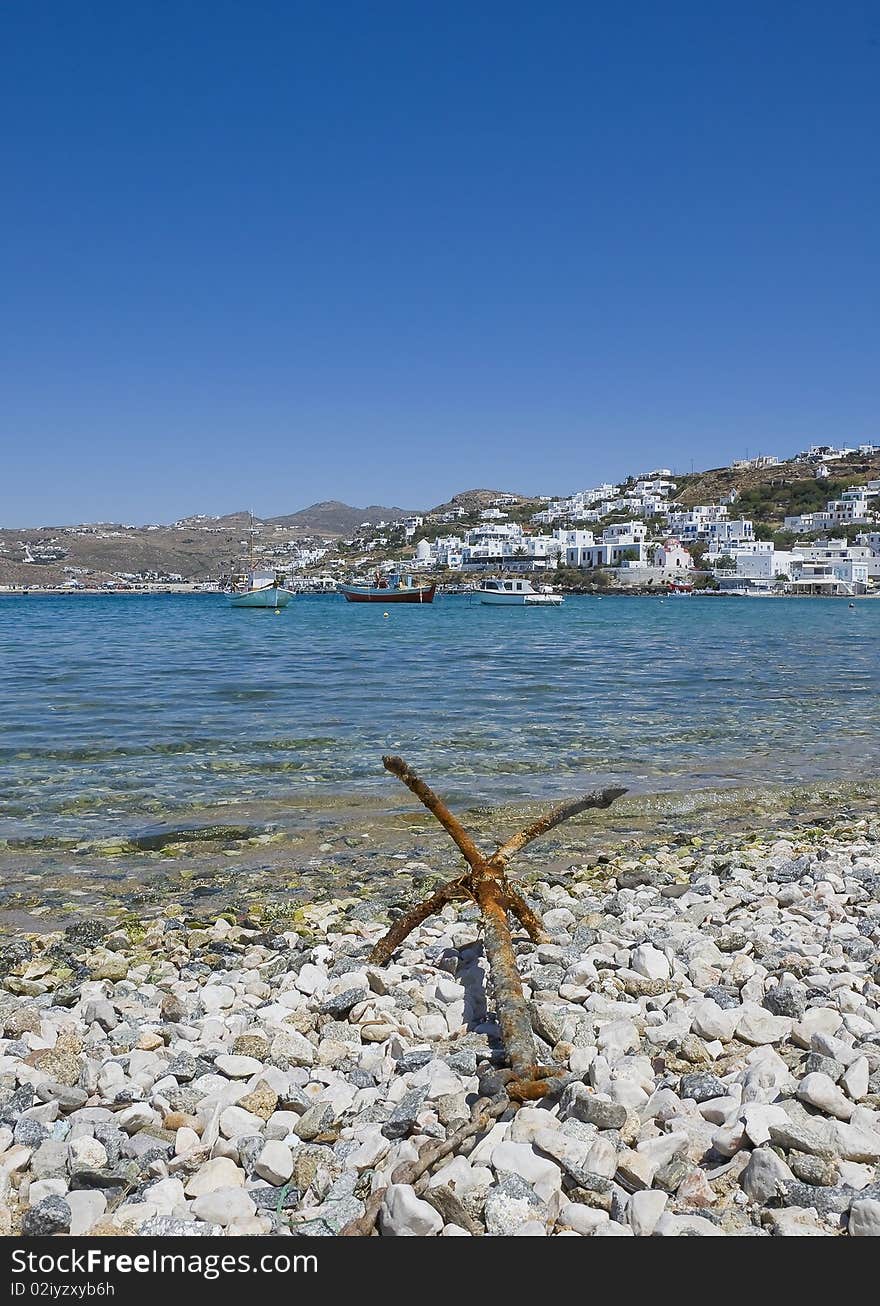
(119, 711)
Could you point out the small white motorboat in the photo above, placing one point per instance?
(518, 594)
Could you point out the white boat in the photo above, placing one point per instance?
(518, 594)
(259, 589)
(250, 588)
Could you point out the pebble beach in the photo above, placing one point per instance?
(713, 1003)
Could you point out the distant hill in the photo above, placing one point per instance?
(476, 500)
(335, 518)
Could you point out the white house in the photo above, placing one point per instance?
(576, 538)
(871, 539)
(762, 460)
(803, 523)
(445, 551)
(721, 536)
(855, 506)
(756, 567)
(840, 556)
(625, 532)
(411, 525)
(691, 524)
(844, 576)
(656, 485)
(624, 542)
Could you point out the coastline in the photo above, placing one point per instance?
(239, 1073)
(620, 590)
(307, 850)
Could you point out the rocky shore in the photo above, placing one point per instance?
(714, 1002)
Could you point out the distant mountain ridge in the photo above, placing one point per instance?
(337, 518)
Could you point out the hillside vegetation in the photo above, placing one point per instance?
(769, 494)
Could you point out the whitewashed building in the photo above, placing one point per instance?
(576, 507)
(856, 506)
(671, 555)
(722, 536)
(492, 546)
(622, 543)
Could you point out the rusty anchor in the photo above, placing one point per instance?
(486, 884)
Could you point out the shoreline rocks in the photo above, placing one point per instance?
(715, 1011)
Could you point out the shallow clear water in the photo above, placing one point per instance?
(119, 711)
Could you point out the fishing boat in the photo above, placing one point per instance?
(391, 589)
(258, 589)
(252, 588)
(518, 594)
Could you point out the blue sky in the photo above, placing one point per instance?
(264, 254)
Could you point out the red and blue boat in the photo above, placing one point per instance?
(391, 589)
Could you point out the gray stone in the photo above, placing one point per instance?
(800, 1137)
(68, 1097)
(701, 1087)
(313, 1122)
(864, 1218)
(185, 1067)
(30, 1133)
(463, 1063)
(101, 1012)
(337, 1212)
(172, 1226)
(510, 1203)
(249, 1148)
(765, 1176)
(579, 1103)
(338, 1005)
(786, 1000)
(819, 1170)
(113, 1140)
(814, 1063)
(284, 1198)
(50, 1216)
(403, 1118)
(722, 997)
(548, 1021)
(826, 1201)
(670, 1176)
(50, 1160)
